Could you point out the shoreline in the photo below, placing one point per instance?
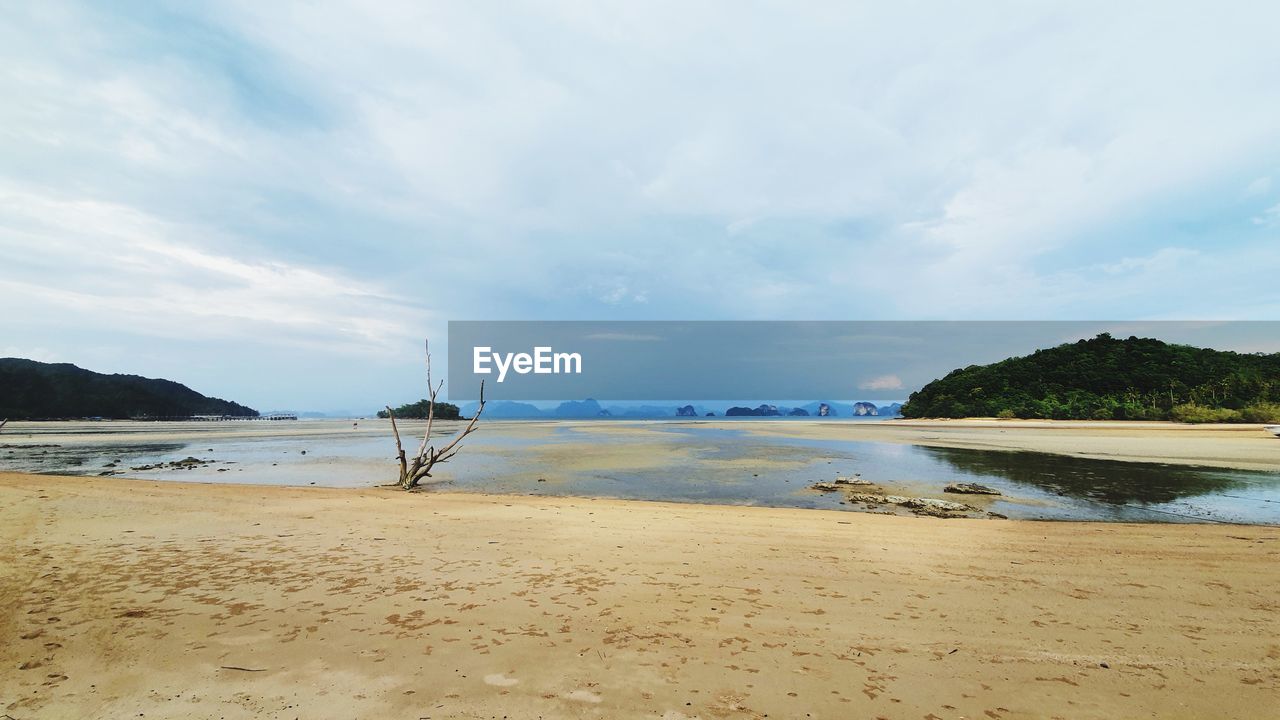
(129, 596)
(1231, 446)
(1227, 446)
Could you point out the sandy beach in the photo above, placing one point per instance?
(127, 598)
(1243, 446)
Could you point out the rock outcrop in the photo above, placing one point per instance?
(865, 408)
(970, 489)
(761, 411)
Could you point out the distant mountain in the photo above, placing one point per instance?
(761, 411)
(1107, 378)
(655, 411)
(891, 410)
(836, 409)
(505, 409)
(865, 408)
(580, 409)
(35, 390)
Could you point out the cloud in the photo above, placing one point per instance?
(1163, 260)
(1269, 217)
(117, 266)
(882, 382)
(341, 181)
(1260, 186)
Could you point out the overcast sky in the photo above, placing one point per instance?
(275, 202)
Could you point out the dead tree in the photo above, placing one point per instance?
(412, 471)
(3, 423)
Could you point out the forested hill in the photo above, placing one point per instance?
(1106, 378)
(34, 390)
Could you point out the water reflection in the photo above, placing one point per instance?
(1110, 481)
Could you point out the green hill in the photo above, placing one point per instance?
(1106, 378)
(32, 390)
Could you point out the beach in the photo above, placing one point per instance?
(1241, 446)
(128, 598)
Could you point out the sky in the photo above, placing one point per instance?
(276, 202)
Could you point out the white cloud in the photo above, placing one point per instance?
(1260, 186)
(1269, 217)
(1163, 260)
(118, 267)
(882, 382)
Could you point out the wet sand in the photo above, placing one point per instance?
(124, 598)
(1243, 447)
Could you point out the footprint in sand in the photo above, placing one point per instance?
(583, 696)
(500, 680)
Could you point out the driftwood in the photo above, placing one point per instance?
(412, 471)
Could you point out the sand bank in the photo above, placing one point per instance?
(1244, 447)
(126, 597)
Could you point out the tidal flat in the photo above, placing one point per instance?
(1130, 472)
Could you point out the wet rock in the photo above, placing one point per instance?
(842, 480)
(825, 487)
(867, 498)
(970, 489)
(922, 503)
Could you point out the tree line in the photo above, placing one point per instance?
(1105, 378)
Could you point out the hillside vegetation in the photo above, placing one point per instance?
(418, 411)
(31, 390)
(1109, 379)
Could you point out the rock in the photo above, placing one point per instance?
(921, 503)
(970, 489)
(865, 408)
(761, 411)
(867, 498)
(686, 411)
(825, 487)
(824, 410)
(852, 481)
(798, 412)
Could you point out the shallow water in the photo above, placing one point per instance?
(663, 460)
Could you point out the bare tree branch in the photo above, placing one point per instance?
(427, 457)
(399, 447)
